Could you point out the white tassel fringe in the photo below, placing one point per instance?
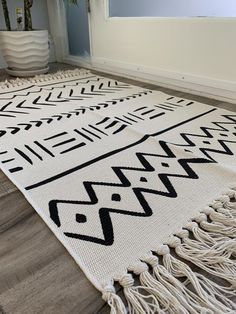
(207, 242)
(113, 300)
(42, 78)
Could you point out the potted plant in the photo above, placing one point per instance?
(25, 51)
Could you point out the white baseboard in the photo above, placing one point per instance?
(79, 61)
(197, 85)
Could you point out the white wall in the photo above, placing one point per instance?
(39, 15)
(197, 50)
(225, 8)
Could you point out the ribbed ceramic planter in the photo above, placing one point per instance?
(25, 52)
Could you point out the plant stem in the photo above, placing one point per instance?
(6, 15)
(28, 19)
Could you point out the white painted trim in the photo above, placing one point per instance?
(59, 32)
(157, 18)
(90, 29)
(84, 62)
(197, 85)
(106, 9)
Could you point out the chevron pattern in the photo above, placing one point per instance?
(141, 112)
(58, 117)
(55, 97)
(76, 90)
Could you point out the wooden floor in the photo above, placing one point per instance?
(37, 275)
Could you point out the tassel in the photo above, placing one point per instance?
(205, 238)
(222, 293)
(215, 233)
(218, 237)
(230, 203)
(222, 214)
(179, 269)
(168, 303)
(190, 301)
(174, 287)
(44, 78)
(137, 297)
(223, 218)
(231, 206)
(224, 204)
(217, 228)
(186, 297)
(227, 245)
(208, 243)
(113, 300)
(212, 260)
(214, 229)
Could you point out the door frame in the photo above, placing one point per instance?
(58, 29)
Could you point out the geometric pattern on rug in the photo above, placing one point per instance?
(116, 171)
(207, 133)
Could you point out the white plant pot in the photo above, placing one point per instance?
(25, 52)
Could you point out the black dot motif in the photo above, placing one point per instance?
(143, 179)
(116, 197)
(165, 165)
(206, 142)
(81, 218)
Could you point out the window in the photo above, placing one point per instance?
(172, 8)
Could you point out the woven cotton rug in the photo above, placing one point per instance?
(132, 182)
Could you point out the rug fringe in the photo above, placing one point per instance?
(166, 284)
(114, 301)
(43, 78)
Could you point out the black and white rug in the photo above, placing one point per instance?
(123, 175)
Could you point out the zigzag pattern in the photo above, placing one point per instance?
(122, 173)
(206, 134)
(123, 181)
